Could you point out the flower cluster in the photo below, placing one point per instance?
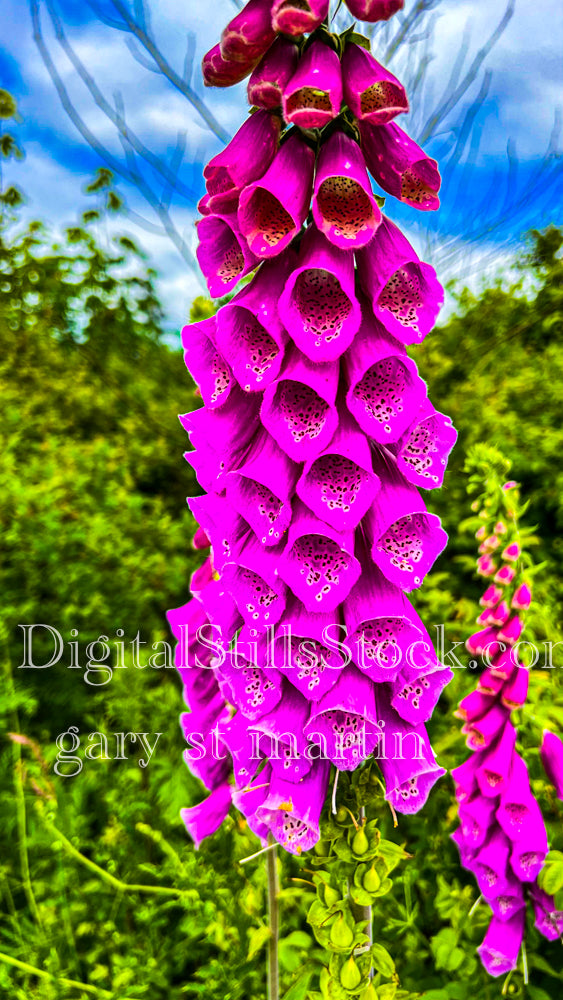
(315, 433)
(502, 837)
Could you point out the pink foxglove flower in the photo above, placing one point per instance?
(247, 157)
(371, 91)
(374, 10)
(400, 166)
(313, 96)
(296, 17)
(220, 72)
(249, 34)
(272, 74)
(223, 253)
(423, 449)
(551, 753)
(344, 208)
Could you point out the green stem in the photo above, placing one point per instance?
(116, 883)
(70, 983)
(274, 924)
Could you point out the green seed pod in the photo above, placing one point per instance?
(341, 934)
(341, 814)
(321, 848)
(350, 975)
(371, 880)
(369, 994)
(331, 895)
(360, 842)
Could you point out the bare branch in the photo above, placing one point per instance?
(133, 176)
(167, 70)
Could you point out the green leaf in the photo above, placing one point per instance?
(256, 941)
(550, 878)
(298, 990)
(382, 960)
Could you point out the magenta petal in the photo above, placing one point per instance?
(473, 706)
(406, 759)
(530, 850)
(548, 920)
(405, 293)
(340, 484)
(221, 611)
(405, 539)
(246, 756)
(223, 525)
(465, 778)
(384, 386)
(261, 488)
(299, 409)
(252, 580)
(379, 623)
(522, 597)
(517, 804)
(490, 865)
(374, 10)
(255, 691)
(345, 720)
(313, 96)
(272, 74)
(482, 732)
(292, 809)
(501, 946)
(509, 900)
(222, 253)
(423, 449)
(249, 331)
(247, 157)
(200, 728)
(493, 766)
(344, 208)
(415, 694)
(300, 650)
(400, 166)
(204, 819)
(219, 72)
(297, 17)
(551, 753)
(273, 208)
(477, 816)
(247, 36)
(318, 563)
(249, 798)
(371, 92)
(488, 684)
(319, 304)
(229, 428)
(283, 729)
(515, 691)
(207, 366)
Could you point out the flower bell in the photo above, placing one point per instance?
(423, 449)
(223, 253)
(400, 166)
(344, 208)
(297, 17)
(272, 74)
(247, 157)
(371, 92)
(374, 10)
(249, 34)
(551, 753)
(313, 96)
(220, 72)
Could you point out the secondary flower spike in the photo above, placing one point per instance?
(315, 431)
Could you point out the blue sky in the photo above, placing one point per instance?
(526, 86)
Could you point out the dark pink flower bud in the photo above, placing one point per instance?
(272, 74)
(511, 631)
(247, 157)
(371, 92)
(423, 449)
(344, 208)
(486, 566)
(299, 408)
(501, 945)
(481, 533)
(511, 485)
(384, 387)
(248, 35)
(484, 642)
(491, 596)
(504, 663)
(511, 552)
(248, 328)
(485, 617)
(318, 563)
(505, 575)
(482, 732)
(500, 528)
(522, 597)
(500, 614)
(489, 544)
(339, 485)
(273, 208)
(219, 72)
(297, 17)
(374, 10)
(313, 96)
(405, 294)
(488, 684)
(207, 366)
(400, 166)
(473, 706)
(551, 753)
(493, 766)
(222, 253)
(515, 690)
(405, 539)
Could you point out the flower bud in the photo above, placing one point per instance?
(511, 552)
(522, 597)
(505, 575)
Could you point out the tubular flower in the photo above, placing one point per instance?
(299, 649)
(502, 837)
(374, 10)
(400, 166)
